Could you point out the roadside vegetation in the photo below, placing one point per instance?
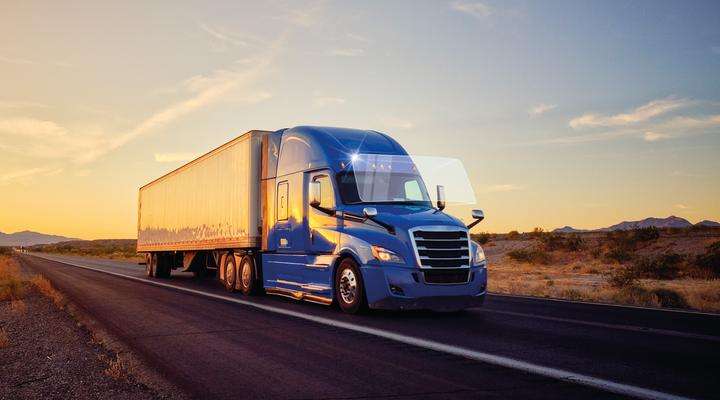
(671, 268)
(119, 249)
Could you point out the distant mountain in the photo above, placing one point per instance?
(568, 229)
(707, 222)
(28, 238)
(669, 222)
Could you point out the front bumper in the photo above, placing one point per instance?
(404, 288)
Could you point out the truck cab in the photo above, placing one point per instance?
(346, 218)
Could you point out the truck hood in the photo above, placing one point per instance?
(404, 217)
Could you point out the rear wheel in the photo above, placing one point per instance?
(247, 279)
(349, 287)
(230, 273)
(163, 265)
(150, 264)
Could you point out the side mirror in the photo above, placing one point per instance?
(440, 197)
(370, 212)
(478, 215)
(315, 194)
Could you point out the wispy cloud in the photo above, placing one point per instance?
(25, 174)
(505, 187)
(654, 136)
(21, 104)
(221, 39)
(350, 52)
(324, 101)
(643, 113)
(24, 61)
(398, 123)
(174, 157)
(681, 206)
(473, 8)
(541, 108)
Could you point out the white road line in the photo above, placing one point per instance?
(568, 376)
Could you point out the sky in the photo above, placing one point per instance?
(581, 113)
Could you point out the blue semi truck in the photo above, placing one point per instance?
(327, 215)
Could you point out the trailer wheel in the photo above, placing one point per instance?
(349, 287)
(247, 281)
(150, 264)
(163, 266)
(230, 273)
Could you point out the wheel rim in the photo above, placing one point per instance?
(230, 274)
(246, 274)
(348, 286)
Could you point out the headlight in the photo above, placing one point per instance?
(385, 255)
(478, 255)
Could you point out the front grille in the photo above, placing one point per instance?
(442, 249)
(447, 276)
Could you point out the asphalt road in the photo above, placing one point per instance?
(213, 347)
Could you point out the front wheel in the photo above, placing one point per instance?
(349, 287)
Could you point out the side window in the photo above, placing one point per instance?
(412, 191)
(327, 196)
(282, 201)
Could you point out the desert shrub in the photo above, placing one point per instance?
(537, 232)
(533, 256)
(513, 235)
(574, 243)
(646, 234)
(596, 252)
(11, 284)
(635, 294)
(571, 294)
(481, 238)
(710, 261)
(623, 277)
(6, 251)
(664, 266)
(619, 254)
(669, 298)
(551, 241)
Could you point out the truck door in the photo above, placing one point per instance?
(323, 228)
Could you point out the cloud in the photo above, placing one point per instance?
(541, 109)
(681, 206)
(505, 187)
(23, 175)
(643, 113)
(398, 123)
(654, 136)
(324, 101)
(475, 9)
(21, 104)
(174, 157)
(30, 127)
(346, 52)
(358, 38)
(24, 61)
(223, 40)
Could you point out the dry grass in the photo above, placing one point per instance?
(18, 306)
(11, 283)
(44, 286)
(118, 249)
(116, 369)
(4, 341)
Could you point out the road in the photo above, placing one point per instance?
(219, 345)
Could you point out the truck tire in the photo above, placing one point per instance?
(230, 275)
(150, 264)
(163, 266)
(349, 287)
(247, 279)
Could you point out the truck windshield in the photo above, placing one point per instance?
(375, 178)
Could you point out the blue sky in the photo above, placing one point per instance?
(577, 113)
